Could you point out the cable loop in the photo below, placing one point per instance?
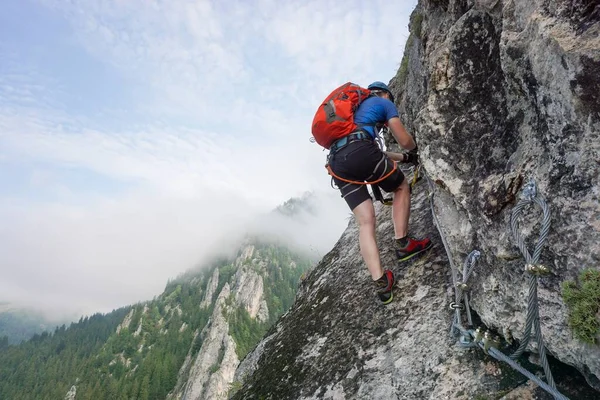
(485, 340)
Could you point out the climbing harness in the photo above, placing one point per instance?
(490, 344)
(388, 201)
(347, 140)
(376, 191)
(361, 182)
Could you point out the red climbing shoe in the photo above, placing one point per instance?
(412, 248)
(385, 285)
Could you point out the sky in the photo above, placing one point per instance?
(136, 136)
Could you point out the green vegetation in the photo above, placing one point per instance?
(416, 21)
(131, 364)
(402, 73)
(297, 205)
(234, 387)
(245, 331)
(41, 368)
(226, 272)
(584, 302)
(143, 359)
(283, 274)
(215, 367)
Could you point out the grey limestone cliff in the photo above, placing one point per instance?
(209, 374)
(215, 364)
(498, 93)
(211, 289)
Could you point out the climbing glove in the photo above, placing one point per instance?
(411, 158)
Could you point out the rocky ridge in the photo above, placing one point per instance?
(210, 373)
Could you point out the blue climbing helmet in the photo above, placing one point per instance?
(377, 85)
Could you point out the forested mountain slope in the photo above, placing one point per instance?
(148, 350)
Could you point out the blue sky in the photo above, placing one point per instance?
(135, 133)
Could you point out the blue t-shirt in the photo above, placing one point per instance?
(374, 110)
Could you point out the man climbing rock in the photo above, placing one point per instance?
(357, 158)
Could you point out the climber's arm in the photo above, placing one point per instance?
(400, 134)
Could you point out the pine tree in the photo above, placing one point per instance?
(144, 389)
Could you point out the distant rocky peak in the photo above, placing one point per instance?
(246, 254)
(298, 205)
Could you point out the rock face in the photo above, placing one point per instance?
(250, 294)
(213, 283)
(213, 369)
(126, 321)
(339, 342)
(71, 393)
(500, 92)
(496, 93)
(249, 291)
(210, 373)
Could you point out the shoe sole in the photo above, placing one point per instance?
(413, 254)
(388, 301)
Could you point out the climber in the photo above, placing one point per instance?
(357, 157)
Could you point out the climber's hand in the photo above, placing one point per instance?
(411, 158)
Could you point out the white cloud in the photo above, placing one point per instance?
(111, 253)
(188, 51)
(178, 161)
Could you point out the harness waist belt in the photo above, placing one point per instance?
(360, 135)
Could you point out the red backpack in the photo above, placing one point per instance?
(335, 117)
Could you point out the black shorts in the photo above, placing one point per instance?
(363, 161)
